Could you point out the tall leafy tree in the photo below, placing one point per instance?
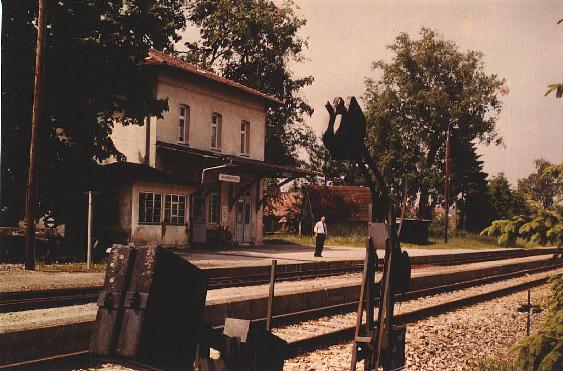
(505, 201)
(541, 187)
(428, 85)
(253, 42)
(93, 70)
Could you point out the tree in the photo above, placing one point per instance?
(429, 85)
(558, 87)
(505, 201)
(252, 42)
(474, 204)
(534, 224)
(542, 187)
(93, 70)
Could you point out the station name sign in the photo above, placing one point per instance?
(229, 178)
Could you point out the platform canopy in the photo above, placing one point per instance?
(193, 159)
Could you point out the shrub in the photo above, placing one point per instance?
(543, 350)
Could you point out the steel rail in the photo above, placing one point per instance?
(346, 334)
(296, 347)
(50, 298)
(315, 313)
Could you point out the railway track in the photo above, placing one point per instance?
(82, 358)
(248, 276)
(345, 333)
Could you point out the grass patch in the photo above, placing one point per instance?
(475, 242)
(490, 364)
(70, 267)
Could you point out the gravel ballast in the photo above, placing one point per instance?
(451, 341)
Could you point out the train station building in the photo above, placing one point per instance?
(195, 176)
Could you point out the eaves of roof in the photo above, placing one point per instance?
(162, 59)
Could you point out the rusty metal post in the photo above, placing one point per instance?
(31, 197)
(528, 323)
(271, 295)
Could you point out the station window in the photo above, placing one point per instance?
(149, 207)
(184, 124)
(245, 137)
(175, 209)
(216, 126)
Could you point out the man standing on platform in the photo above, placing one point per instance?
(320, 235)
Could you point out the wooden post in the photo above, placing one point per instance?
(31, 197)
(271, 295)
(367, 291)
(89, 242)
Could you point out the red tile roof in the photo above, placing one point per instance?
(343, 203)
(158, 58)
(284, 204)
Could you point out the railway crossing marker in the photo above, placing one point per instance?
(381, 342)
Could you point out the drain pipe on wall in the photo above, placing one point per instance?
(214, 168)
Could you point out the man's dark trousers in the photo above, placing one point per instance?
(319, 243)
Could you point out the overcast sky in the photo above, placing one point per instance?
(520, 41)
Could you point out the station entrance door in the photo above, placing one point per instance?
(242, 233)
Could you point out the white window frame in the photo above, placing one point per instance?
(175, 209)
(216, 123)
(184, 124)
(245, 138)
(155, 218)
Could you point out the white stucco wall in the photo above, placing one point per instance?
(204, 99)
(131, 141)
(170, 235)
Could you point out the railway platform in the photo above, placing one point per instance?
(257, 260)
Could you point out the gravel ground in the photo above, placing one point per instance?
(451, 341)
(14, 321)
(331, 323)
(14, 279)
(77, 313)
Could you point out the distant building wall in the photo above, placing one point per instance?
(204, 99)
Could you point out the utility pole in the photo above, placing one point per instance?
(31, 197)
(89, 243)
(447, 184)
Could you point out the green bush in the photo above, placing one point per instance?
(543, 228)
(543, 351)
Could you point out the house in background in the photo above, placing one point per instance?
(347, 211)
(195, 176)
(346, 208)
(282, 212)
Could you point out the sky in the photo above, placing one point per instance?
(520, 41)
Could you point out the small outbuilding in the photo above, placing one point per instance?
(346, 208)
